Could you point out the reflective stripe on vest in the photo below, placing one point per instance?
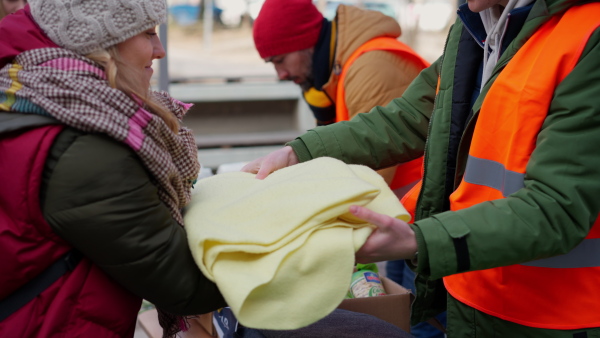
(406, 174)
(529, 294)
(494, 175)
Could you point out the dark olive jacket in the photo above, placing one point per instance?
(98, 197)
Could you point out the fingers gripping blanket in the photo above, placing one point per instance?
(281, 250)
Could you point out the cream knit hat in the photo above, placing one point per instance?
(84, 26)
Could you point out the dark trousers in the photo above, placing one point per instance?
(338, 324)
(400, 273)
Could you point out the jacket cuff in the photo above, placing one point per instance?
(434, 236)
(300, 149)
(422, 261)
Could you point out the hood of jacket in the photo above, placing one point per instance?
(20, 33)
(355, 26)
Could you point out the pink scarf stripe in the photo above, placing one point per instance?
(68, 64)
(135, 135)
(185, 106)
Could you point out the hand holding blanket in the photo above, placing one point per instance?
(281, 250)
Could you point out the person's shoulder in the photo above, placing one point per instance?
(84, 155)
(84, 170)
(91, 145)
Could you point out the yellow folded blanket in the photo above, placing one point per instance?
(281, 250)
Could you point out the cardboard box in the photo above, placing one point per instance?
(394, 307)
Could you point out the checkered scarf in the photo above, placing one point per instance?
(74, 90)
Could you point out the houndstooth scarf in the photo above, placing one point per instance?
(74, 90)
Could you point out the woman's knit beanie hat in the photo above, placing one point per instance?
(285, 26)
(84, 26)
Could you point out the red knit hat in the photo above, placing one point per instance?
(285, 26)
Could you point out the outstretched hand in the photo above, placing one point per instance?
(276, 160)
(392, 239)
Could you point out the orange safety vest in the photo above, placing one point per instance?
(406, 174)
(560, 292)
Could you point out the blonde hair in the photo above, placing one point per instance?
(123, 77)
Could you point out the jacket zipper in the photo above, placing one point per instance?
(426, 153)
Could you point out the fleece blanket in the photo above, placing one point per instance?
(281, 250)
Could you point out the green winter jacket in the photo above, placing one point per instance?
(550, 216)
(97, 195)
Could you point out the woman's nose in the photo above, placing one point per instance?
(158, 51)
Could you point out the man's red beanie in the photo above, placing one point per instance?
(285, 26)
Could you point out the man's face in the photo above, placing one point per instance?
(294, 66)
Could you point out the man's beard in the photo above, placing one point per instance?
(309, 76)
(308, 84)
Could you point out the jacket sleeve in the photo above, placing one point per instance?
(98, 197)
(384, 136)
(559, 203)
